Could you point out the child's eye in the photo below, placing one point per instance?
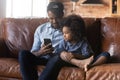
(65, 33)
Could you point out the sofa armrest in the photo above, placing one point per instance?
(4, 51)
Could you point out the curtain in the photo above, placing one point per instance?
(26, 8)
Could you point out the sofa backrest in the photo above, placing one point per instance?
(18, 33)
(93, 33)
(110, 30)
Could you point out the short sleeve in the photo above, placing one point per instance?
(61, 47)
(86, 49)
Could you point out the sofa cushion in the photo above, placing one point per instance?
(93, 33)
(10, 68)
(111, 37)
(19, 33)
(71, 73)
(104, 72)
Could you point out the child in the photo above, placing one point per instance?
(74, 50)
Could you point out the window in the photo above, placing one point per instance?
(26, 8)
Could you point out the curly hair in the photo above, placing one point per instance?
(76, 25)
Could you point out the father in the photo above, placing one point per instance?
(41, 53)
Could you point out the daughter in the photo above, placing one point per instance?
(74, 50)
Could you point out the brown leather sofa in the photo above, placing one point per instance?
(103, 35)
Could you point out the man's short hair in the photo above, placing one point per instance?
(56, 8)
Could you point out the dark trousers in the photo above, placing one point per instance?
(55, 64)
(28, 64)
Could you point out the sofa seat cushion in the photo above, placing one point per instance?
(104, 72)
(71, 73)
(6, 78)
(9, 67)
(67, 73)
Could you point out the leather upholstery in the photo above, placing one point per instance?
(17, 34)
(111, 37)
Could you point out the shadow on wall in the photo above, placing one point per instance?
(92, 2)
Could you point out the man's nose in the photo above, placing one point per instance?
(54, 20)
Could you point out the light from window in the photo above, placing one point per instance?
(26, 8)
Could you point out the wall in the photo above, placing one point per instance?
(97, 11)
(2, 8)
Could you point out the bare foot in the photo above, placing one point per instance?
(87, 67)
(85, 63)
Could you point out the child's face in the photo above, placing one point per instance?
(67, 34)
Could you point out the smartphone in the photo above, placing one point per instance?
(47, 41)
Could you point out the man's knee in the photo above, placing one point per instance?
(23, 54)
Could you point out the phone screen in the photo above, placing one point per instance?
(47, 41)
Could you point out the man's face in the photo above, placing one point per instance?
(54, 20)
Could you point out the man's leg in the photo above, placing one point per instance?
(52, 69)
(28, 63)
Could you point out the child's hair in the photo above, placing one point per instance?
(76, 25)
(56, 8)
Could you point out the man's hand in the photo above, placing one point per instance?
(66, 56)
(45, 49)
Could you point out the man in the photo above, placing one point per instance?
(40, 53)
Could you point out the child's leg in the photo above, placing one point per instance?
(81, 63)
(100, 59)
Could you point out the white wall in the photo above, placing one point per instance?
(2, 8)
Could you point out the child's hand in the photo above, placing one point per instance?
(66, 56)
